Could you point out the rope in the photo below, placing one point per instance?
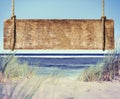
(103, 32)
(14, 33)
(13, 40)
(103, 24)
(13, 8)
(103, 8)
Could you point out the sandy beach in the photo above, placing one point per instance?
(60, 88)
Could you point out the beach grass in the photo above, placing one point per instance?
(12, 69)
(23, 80)
(106, 70)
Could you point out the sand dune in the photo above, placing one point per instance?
(60, 88)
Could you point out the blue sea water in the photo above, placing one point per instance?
(59, 64)
(66, 65)
(63, 63)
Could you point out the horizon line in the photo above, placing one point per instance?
(58, 55)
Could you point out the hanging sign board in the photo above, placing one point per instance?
(64, 34)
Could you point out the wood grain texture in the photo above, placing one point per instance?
(59, 34)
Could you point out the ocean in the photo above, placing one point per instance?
(59, 64)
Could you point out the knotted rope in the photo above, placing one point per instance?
(13, 39)
(103, 24)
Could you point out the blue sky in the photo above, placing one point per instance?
(60, 9)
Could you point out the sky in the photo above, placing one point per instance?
(60, 9)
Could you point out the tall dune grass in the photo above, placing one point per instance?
(106, 70)
(10, 68)
(23, 79)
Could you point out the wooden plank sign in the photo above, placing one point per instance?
(54, 34)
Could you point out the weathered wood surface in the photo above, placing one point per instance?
(59, 34)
